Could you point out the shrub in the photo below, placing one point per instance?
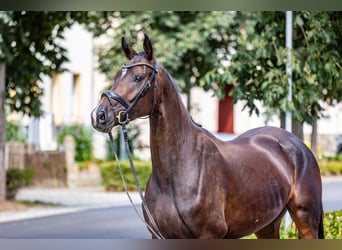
(81, 134)
(330, 167)
(17, 178)
(111, 179)
(333, 225)
(14, 132)
(332, 222)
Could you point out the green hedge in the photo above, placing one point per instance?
(332, 227)
(330, 167)
(17, 178)
(111, 179)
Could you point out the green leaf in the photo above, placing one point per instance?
(299, 20)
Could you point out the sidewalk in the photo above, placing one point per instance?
(68, 200)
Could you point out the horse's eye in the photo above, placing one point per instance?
(138, 78)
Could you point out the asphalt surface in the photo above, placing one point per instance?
(66, 201)
(332, 194)
(103, 223)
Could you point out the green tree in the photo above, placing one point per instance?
(29, 48)
(243, 49)
(187, 43)
(257, 69)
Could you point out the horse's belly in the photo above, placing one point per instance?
(248, 214)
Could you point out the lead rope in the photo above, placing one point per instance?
(154, 228)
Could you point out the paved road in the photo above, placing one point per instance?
(115, 222)
(104, 223)
(332, 194)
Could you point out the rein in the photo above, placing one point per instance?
(154, 228)
(125, 113)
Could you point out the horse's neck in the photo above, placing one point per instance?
(172, 132)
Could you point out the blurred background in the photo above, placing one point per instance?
(230, 68)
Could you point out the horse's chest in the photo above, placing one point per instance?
(186, 218)
(171, 220)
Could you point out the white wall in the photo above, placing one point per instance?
(59, 100)
(243, 121)
(205, 108)
(79, 43)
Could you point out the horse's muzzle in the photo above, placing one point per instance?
(103, 119)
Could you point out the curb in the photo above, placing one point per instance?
(36, 212)
(67, 200)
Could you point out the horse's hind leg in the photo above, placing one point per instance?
(308, 218)
(272, 230)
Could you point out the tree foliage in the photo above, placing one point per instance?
(243, 49)
(209, 49)
(30, 46)
(185, 42)
(257, 68)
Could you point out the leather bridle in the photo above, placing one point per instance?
(123, 116)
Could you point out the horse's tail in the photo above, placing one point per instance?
(321, 227)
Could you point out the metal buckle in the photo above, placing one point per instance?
(120, 115)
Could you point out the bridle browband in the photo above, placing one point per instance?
(123, 116)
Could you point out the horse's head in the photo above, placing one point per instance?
(133, 93)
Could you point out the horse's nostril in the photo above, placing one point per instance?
(101, 116)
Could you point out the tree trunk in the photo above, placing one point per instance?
(314, 138)
(297, 127)
(282, 119)
(188, 100)
(2, 134)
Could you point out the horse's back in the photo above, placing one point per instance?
(283, 145)
(276, 133)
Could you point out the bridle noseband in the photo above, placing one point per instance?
(123, 116)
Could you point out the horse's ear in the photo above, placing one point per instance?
(128, 50)
(148, 47)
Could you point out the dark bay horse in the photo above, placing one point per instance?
(202, 187)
